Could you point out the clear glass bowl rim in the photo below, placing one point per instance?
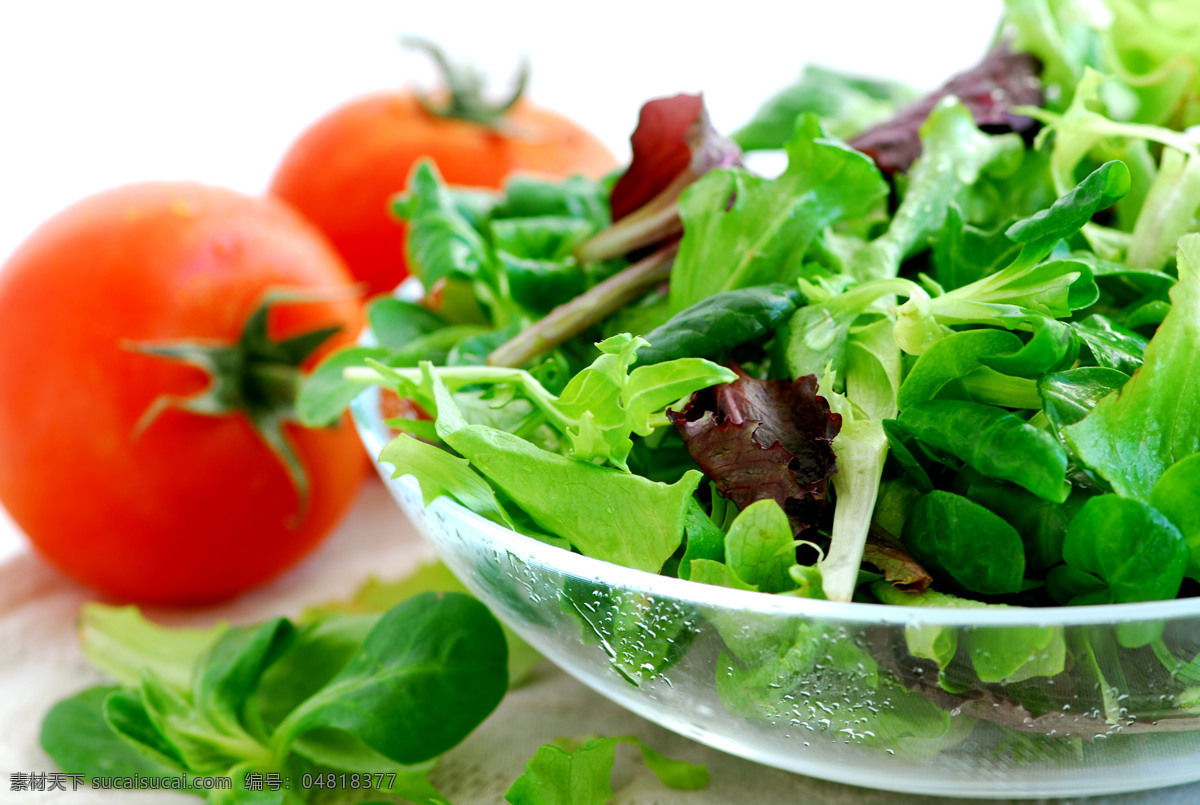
(375, 435)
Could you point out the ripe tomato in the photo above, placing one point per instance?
(183, 508)
(341, 172)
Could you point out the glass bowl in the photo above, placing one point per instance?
(911, 699)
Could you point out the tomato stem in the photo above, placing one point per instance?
(464, 88)
(257, 377)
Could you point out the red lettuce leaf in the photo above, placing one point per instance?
(661, 150)
(990, 90)
(764, 439)
(673, 146)
(895, 562)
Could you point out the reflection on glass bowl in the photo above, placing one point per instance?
(986, 703)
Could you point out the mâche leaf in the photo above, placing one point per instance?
(965, 542)
(432, 648)
(1132, 548)
(76, 736)
(580, 774)
(993, 442)
(1175, 495)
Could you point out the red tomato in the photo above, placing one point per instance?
(191, 508)
(342, 171)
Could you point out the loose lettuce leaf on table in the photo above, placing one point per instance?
(78, 738)
(123, 644)
(580, 774)
(407, 659)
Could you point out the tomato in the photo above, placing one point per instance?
(342, 171)
(181, 507)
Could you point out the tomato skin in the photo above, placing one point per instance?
(193, 508)
(342, 170)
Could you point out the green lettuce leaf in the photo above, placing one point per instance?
(764, 234)
(1135, 435)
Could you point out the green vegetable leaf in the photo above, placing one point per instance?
(705, 540)
(123, 644)
(1175, 495)
(1018, 295)
(555, 776)
(994, 443)
(396, 323)
(326, 393)
(230, 670)
(1042, 524)
(1069, 396)
(951, 358)
(1054, 345)
(999, 655)
(526, 196)
(845, 104)
(713, 327)
(440, 241)
(1132, 437)
(320, 650)
(376, 596)
(963, 541)
(204, 747)
(763, 235)
(872, 380)
(77, 738)
(954, 153)
(605, 513)
(1131, 547)
(427, 674)
(1100, 190)
(1169, 211)
(963, 253)
(127, 716)
(441, 474)
(759, 547)
(1111, 345)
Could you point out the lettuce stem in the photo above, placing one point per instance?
(593, 306)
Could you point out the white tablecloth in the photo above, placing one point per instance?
(40, 663)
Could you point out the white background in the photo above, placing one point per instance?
(98, 94)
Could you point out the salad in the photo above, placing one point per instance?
(948, 355)
(943, 359)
